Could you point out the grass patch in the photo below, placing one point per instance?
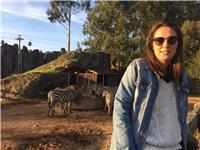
(41, 71)
(11, 76)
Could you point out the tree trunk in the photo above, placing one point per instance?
(69, 29)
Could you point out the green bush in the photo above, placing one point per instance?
(193, 68)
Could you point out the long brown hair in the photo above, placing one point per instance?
(176, 65)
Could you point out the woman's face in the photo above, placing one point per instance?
(165, 42)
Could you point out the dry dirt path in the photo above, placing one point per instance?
(26, 127)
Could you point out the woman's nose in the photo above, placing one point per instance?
(165, 43)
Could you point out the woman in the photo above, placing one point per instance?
(150, 105)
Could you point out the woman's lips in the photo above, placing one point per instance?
(164, 52)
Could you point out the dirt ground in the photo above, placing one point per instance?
(26, 126)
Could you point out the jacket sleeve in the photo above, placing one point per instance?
(122, 137)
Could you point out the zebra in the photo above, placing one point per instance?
(61, 96)
(72, 87)
(50, 94)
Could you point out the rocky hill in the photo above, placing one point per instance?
(37, 82)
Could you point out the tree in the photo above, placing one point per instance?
(120, 27)
(61, 12)
(2, 42)
(110, 29)
(193, 68)
(191, 38)
(79, 48)
(62, 50)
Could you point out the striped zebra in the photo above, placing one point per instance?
(50, 95)
(64, 103)
(61, 96)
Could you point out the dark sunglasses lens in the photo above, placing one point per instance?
(159, 41)
(172, 40)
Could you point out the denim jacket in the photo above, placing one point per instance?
(134, 103)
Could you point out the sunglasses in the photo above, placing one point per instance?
(170, 40)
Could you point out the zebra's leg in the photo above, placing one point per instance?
(53, 109)
(49, 108)
(69, 106)
(65, 107)
(50, 111)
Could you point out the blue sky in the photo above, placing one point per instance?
(28, 18)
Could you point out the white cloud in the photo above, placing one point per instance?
(36, 13)
(27, 9)
(24, 1)
(79, 17)
(24, 9)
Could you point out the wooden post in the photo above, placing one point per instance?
(69, 30)
(20, 70)
(68, 78)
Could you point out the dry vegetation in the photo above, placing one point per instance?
(57, 64)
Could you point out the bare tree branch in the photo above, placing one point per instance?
(62, 24)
